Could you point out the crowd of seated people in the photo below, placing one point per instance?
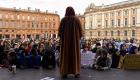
(110, 53)
(104, 53)
(28, 54)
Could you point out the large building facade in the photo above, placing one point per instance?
(120, 20)
(82, 20)
(21, 23)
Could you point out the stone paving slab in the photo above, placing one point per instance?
(86, 74)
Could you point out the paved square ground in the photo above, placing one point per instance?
(86, 74)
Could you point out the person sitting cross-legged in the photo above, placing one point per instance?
(103, 62)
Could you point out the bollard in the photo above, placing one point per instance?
(14, 69)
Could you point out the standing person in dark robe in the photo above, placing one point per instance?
(70, 32)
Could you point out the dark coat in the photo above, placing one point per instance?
(70, 32)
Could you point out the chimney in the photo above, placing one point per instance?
(55, 12)
(29, 8)
(19, 9)
(46, 11)
(35, 10)
(14, 7)
(38, 10)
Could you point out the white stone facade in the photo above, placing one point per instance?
(119, 20)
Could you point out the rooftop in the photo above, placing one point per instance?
(29, 10)
(93, 7)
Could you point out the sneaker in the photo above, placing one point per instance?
(77, 76)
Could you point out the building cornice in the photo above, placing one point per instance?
(119, 5)
(27, 11)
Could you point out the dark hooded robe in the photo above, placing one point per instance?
(70, 32)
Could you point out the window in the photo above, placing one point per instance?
(6, 23)
(99, 33)
(18, 17)
(28, 17)
(23, 24)
(0, 23)
(33, 18)
(119, 13)
(53, 19)
(28, 24)
(105, 33)
(36, 18)
(90, 22)
(6, 16)
(45, 24)
(18, 24)
(134, 21)
(12, 35)
(40, 17)
(133, 11)
(12, 30)
(23, 17)
(133, 32)
(106, 23)
(12, 23)
(37, 24)
(99, 25)
(125, 22)
(45, 18)
(125, 33)
(49, 25)
(49, 19)
(41, 24)
(112, 14)
(6, 31)
(98, 21)
(54, 25)
(106, 15)
(7, 36)
(112, 33)
(32, 24)
(90, 33)
(0, 16)
(118, 33)
(126, 12)
(112, 22)
(119, 22)
(12, 16)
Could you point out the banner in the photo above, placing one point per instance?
(132, 61)
(87, 58)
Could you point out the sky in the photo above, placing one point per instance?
(55, 5)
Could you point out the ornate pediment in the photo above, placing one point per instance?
(93, 7)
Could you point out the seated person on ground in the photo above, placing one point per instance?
(103, 62)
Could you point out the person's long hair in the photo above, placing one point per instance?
(70, 11)
(110, 50)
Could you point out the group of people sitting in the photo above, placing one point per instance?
(28, 54)
(109, 54)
